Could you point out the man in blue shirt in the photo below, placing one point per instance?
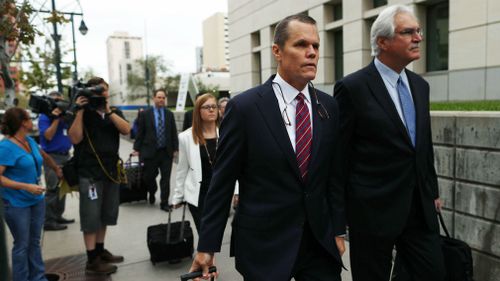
(54, 140)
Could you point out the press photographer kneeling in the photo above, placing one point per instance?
(95, 132)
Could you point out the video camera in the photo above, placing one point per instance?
(92, 93)
(45, 105)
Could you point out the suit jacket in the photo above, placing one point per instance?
(382, 168)
(188, 120)
(275, 204)
(145, 141)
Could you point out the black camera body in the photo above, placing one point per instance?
(92, 93)
(45, 105)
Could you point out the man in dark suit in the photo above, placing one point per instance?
(390, 179)
(156, 143)
(280, 141)
(188, 116)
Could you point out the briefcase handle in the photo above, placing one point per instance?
(443, 226)
(196, 274)
(181, 236)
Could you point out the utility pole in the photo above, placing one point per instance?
(57, 56)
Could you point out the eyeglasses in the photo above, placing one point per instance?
(208, 107)
(410, 32)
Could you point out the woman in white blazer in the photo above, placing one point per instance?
(197, 152)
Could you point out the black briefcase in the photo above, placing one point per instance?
(457, 256)
(170, 241)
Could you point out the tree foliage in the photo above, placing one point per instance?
(15, 29)
(40, 73)
(136, 79)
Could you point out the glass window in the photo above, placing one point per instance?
(127, 49)
(337, 12)
(437, 32)
(378, 3)
(339, 54)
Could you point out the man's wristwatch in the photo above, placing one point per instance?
(109, 113)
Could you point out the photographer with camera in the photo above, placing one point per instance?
(54, 140)
(95, 132)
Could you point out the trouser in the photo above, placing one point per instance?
(54, 205)
(161, 161)
(418, 251)
(4, 266)
(25, 224)
(313, 262)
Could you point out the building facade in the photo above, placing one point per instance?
(459, 57)
(215, 43)
(123, 50)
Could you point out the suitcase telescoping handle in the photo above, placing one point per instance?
(169, 224)
(196, 274)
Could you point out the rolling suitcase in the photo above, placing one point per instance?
(171, 241)
(197, 274)
(134, 190)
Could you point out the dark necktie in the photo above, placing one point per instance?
(408, 109)
(160, 130)
(303, 135)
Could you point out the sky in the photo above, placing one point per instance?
(169, 28)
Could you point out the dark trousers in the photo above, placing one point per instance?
(313, 263)
(54, 205)
(418, 251)
(162, 162)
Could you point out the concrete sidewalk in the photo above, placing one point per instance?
(128, 238)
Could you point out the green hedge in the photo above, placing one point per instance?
(489, 105)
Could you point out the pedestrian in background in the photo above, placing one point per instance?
(197, 151)
(22, 195)
(157, 144)
(95, 132)
(54, 140)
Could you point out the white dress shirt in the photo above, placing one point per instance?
(286, 94)
(390, 78)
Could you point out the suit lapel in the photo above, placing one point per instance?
(381, 94)
(269, 108)
(317, 132)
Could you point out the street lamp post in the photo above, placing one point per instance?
(57, 61)
(83, 30)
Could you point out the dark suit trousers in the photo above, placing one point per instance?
(313, 262)
(418, 252)
(162, 162)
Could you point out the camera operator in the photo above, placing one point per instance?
(95, 134)
(54, 140)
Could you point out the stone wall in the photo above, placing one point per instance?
(467, 155)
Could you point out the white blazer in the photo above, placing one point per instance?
(189, 174)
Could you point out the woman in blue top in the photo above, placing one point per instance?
(23, 197)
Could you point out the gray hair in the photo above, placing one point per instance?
(384, 25)
(221, 100)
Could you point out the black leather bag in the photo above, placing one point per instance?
(457, 257)
(70, 172)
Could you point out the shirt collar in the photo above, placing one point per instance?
(289, 92)
(390, 75)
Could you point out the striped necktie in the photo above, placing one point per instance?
(303, 136)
